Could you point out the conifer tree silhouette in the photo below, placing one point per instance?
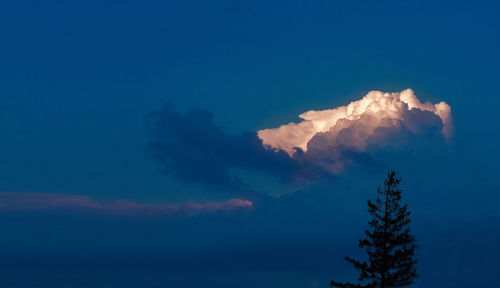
(389, 244)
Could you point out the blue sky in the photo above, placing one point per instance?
(79, 81)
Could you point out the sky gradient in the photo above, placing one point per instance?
(129, 153)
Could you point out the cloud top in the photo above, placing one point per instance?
(358, 124)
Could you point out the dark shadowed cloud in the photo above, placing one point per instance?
(193, 148)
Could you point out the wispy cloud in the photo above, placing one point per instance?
(17, 201)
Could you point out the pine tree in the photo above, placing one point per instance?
(389, 244)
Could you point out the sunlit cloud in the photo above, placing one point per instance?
(16, 201)
(326, 134)
(384, 109)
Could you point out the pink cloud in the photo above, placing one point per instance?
(17, 201)
(376, 120)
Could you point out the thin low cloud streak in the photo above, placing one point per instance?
(17, 201)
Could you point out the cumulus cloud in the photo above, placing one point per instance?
(16, 201)
(330, 138)
(190, 146)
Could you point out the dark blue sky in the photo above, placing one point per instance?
(79, 81)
